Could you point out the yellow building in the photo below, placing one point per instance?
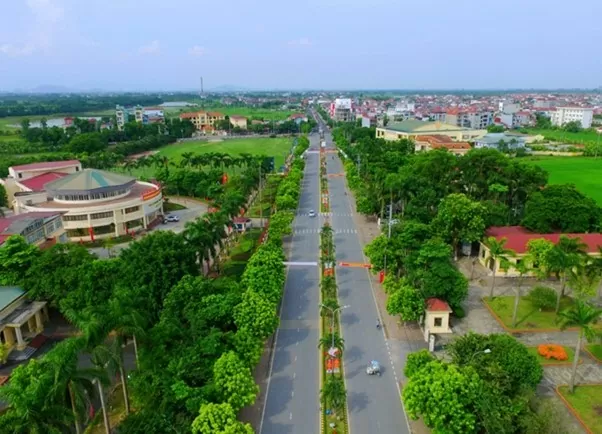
(21, 319)
(202, 120)
(411, 129)
(238, 121)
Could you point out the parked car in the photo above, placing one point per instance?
(171, 219)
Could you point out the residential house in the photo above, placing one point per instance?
(141, 115)
(341, 110)
(412, 128)
(517, 239)
(469, 117)
(238, 122)
(439, 141)
(298, 118)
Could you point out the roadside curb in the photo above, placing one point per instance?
(592, 355)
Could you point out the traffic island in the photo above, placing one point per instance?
(324, 198)
(333, 396)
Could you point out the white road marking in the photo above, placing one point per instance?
(290, 416)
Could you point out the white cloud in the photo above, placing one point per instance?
(47, 20)
(153, 48)
(13, 51)
(301, 41)
(198, 51)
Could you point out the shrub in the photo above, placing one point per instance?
(543, 298)
(552, 351)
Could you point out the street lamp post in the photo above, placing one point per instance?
(333, 312)
(485, 351)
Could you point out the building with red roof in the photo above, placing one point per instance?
(517, 239)
(436, 318)
(440, 141)
(42, 229)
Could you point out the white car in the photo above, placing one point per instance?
(312, 213)
(171, 219)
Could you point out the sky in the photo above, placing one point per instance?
(314, 44)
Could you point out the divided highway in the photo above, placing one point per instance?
(374, 402)
(292, 402)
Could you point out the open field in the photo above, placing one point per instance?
(581, 138)
(584, 172)
(276, 147)
(587, 403)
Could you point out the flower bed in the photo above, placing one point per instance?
(553, 354)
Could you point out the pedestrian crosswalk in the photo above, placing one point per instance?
(317, 231)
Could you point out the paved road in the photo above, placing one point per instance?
(374, 402)
(292, 402)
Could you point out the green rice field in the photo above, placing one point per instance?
(584, 172)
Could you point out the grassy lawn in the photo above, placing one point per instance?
(581, 138)
(543, 361)
(584, 172)
(235, 265)
(595, 350)
(587, 402)
(170, 206)
(268, 196)
(528, 317)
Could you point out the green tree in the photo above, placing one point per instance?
(376, 250)
(264, 273)
(327, 340)
(498, 252)
(585, 316)
(537, 251)
(87, 142)
(459, 219)
(416, 361)
(16, 257)
(523, 268)
(444, 396)
(32, 407)
(495, 129)
(3, 199)
(566, 255)
(333, 394)
(406, 302)
(280, 224)
(234, 381)
(219, 419)
(256, 314)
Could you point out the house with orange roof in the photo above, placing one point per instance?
(238, 122)
(202, 120)
(440, 141)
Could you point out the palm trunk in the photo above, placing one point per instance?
(103, 404)
(492, 284)
(560, 293)
(575, 363)
(135, 349)
(78, 426)
(124, 386)
(515, 312)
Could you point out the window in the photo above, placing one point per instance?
(131, 209)
(75, 218)
(101, 215)
(438, 322)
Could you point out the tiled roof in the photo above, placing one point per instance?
(16, 223)
(517, 238)
(410, 126)
(437, 305)
(89, 179)
(9, 294)
(237, 117)
(49, 165)
(189, 115)
(215, 114)
(37, 182)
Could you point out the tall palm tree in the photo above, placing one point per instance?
(585, 316)
(333, 393)
(75, 384)
(523, 268)
(197, 234)
(327, 340)
(186, 160)
(563, 258)
(497, 252)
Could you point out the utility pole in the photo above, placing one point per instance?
(389, 231)
(359, 164)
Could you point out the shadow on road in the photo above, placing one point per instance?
(357, 401)
(349, 318)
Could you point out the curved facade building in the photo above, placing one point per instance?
(96, 204)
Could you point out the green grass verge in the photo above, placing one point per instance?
(595, 350)
(543, 361)
(587, 403)
(249, 112)
(170, 206)
(584, 172)
(240, 253)
(528, 316)
(581, 138)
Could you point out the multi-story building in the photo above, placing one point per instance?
(32, 177)
(563, 115)
(96, 204)
(341, 110)
(412, 129)
(141, 115)
(508, 107)
(42, 229)
(469, 118)
(202, 120)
